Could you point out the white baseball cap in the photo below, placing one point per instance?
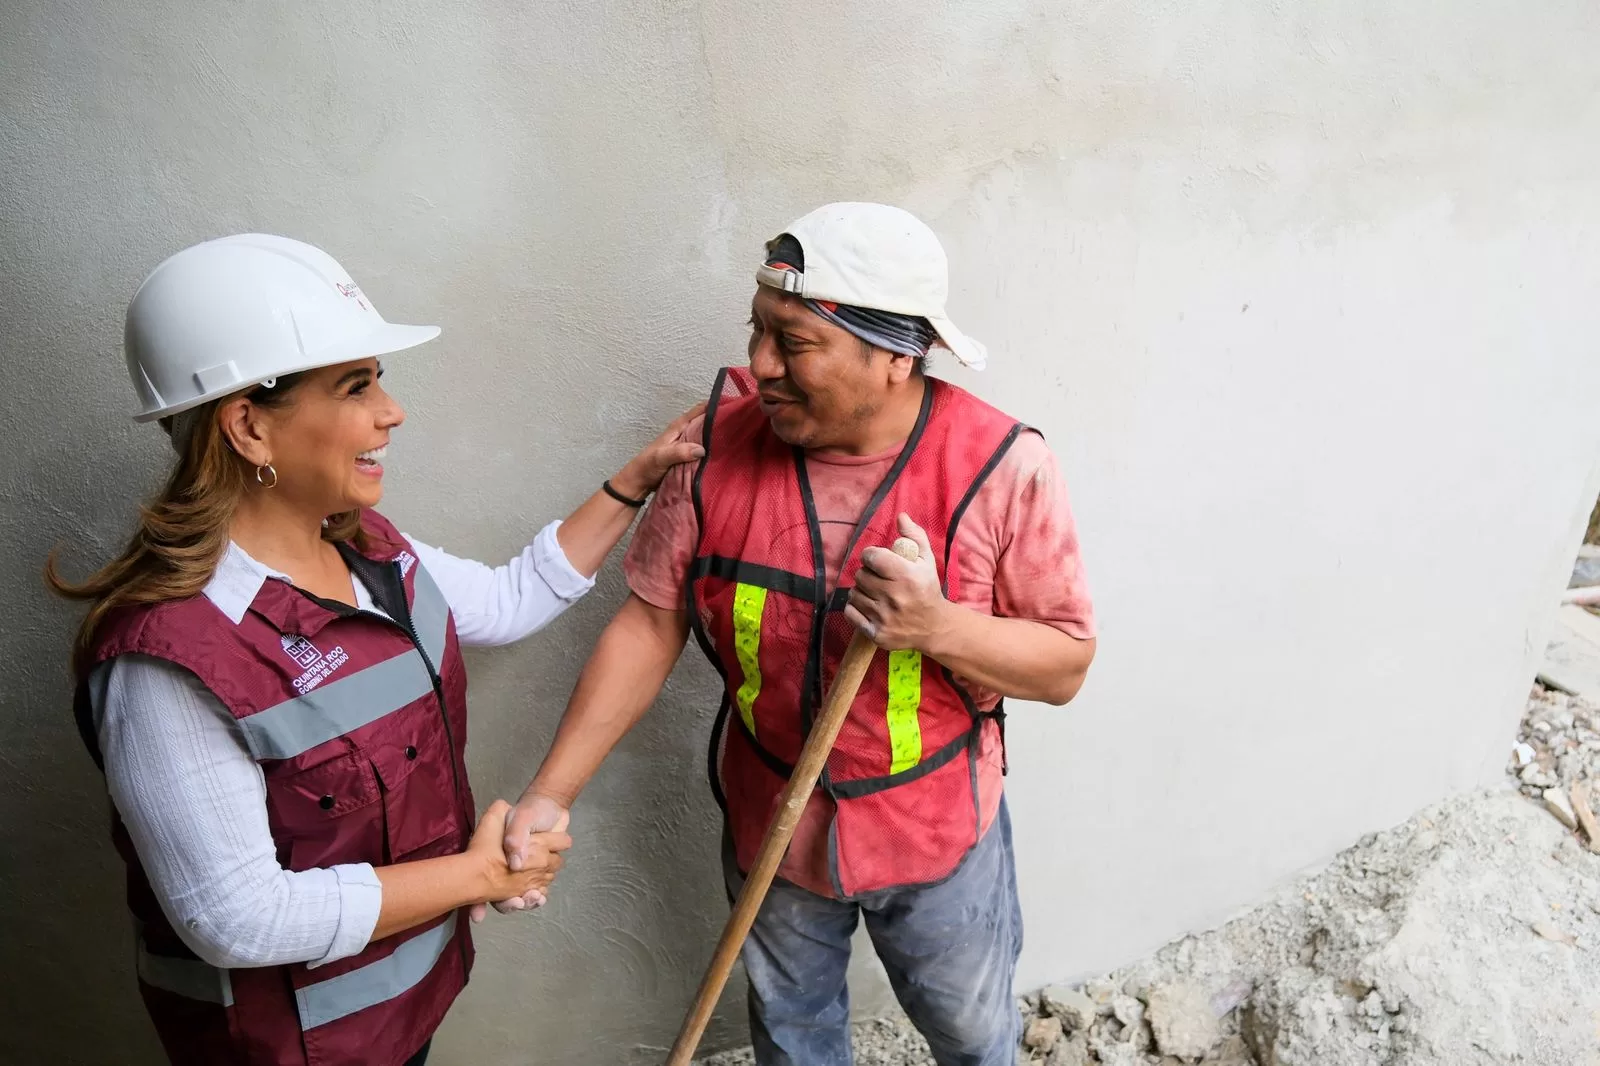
(878, 257)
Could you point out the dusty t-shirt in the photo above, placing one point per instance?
(1018, 546)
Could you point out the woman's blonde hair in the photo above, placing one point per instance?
(183, 533)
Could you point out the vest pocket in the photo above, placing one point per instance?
(327, 813)
(419, 804)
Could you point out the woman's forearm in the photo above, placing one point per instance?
(589, 533)
(415, 893)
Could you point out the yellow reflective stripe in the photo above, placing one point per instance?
(905, 696)
(748, 603)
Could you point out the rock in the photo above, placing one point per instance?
(1115, 1054)
(1522, 755)
(1233, 1052)
(1234, 993)
(1182, 1021)
(1535, 775)
(1042, 1033)
(1557, 803)
(1101, 991)
(1585, 572)
(1371, 1008)
(1073, 1051)
(1127, 1010)
(1138, 987)
(1075, 1009)
(1551, 933)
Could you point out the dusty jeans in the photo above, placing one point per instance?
(950, 951)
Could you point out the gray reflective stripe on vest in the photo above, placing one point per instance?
(190, 978)
(431, 617)
(378, 982)
(336, 708)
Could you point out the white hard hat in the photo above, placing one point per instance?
(875, 256)
(227, 314)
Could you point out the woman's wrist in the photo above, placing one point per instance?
(478, 879)
(630, 484)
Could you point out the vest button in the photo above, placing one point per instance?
(326, 803)
(411, 753)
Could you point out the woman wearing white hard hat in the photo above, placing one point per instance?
(270, 676)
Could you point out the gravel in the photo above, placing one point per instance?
(1468, 936)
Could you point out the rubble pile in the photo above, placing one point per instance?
(1557, 754)
(1468, 936)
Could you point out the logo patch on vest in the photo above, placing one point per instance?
(308, 656)
(406, 561)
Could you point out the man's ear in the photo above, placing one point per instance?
(902, 368)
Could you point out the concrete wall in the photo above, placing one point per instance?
(1304, 295)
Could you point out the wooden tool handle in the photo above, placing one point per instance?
(819, 742)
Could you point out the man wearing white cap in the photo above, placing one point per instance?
(770, 551)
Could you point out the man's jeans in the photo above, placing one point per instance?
(950, 950)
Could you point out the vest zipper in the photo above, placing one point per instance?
(449, 735)
(410, 630)
(357, 563)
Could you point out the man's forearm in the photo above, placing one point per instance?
(1015, 657)
(630, 663)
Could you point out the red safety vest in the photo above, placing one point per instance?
(904, 772)
(358, 723)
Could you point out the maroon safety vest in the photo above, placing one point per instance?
(358, 723)
(904, 773)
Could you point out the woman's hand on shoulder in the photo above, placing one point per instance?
(640, 476)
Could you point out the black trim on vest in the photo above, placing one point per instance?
(866, 786)
(787, 582)
(383, 580)
(999, 712)
(697, 498)
(772, 762)
(998, 716)
(343, 610)
(811, 686)
(713, 770)
(971, 494)
(894, 473)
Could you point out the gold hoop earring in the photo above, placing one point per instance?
(262, 481)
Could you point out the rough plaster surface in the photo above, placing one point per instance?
(1303, 294)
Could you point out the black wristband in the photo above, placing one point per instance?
(628, 501)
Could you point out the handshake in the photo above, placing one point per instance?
(520, 847)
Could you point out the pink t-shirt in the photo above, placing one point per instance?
(1037, 576)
